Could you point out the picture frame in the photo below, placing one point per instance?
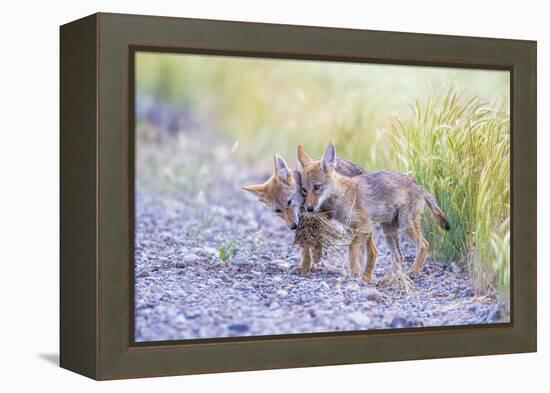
(97, 204)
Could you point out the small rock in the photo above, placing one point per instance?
(240, 261)
(280, 262)
(373, 294)
(415, 323)
(239, 328)
(214, 282)
(399, 322)
(143, 273)
(468, 292)
(211, 251)
(191, 314)
(282, 293)
(495, 314)
(190, 258)
(183, 251)
(359, 318)
(196, 250)
(180, 320)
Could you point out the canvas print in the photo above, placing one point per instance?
(284, 196)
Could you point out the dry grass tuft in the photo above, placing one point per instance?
(316, 230)
(399, 282)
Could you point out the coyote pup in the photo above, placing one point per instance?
(281, 193)
(392, 199)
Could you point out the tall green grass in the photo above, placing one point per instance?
(459, 149)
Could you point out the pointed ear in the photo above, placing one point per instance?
(303, 158)
(329, 158)
(257, 189)
(282, 171)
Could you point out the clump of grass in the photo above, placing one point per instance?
(204, 224)
(397, 281)
(459, 150)
(316, 230)
(229, 251)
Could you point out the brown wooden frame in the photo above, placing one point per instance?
(96, 269)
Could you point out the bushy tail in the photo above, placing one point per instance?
(439, 215)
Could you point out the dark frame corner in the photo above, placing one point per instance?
(97, 54)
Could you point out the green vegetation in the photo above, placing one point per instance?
(447, 128)
(229, 251)
(459, 149)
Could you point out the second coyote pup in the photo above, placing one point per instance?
(392, 199)
(281, 194)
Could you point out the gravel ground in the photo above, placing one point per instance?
(189, 205)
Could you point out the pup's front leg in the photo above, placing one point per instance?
(356, 249)
(316, 254)
(306, 261)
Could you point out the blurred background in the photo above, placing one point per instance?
(448, 128)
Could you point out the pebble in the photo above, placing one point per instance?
(240, 261)
(495, 314)
(468, 292)
(399, 322)
(190, 258)
(239, 328)
(191, 314)
(373, 294)
(281, 262)
(359, 318)
(213, 252)
(282, 293)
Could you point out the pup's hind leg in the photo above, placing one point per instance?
(397, 241)
(391, 234)
(422, 247)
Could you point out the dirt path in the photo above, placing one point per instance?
(189, 205)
